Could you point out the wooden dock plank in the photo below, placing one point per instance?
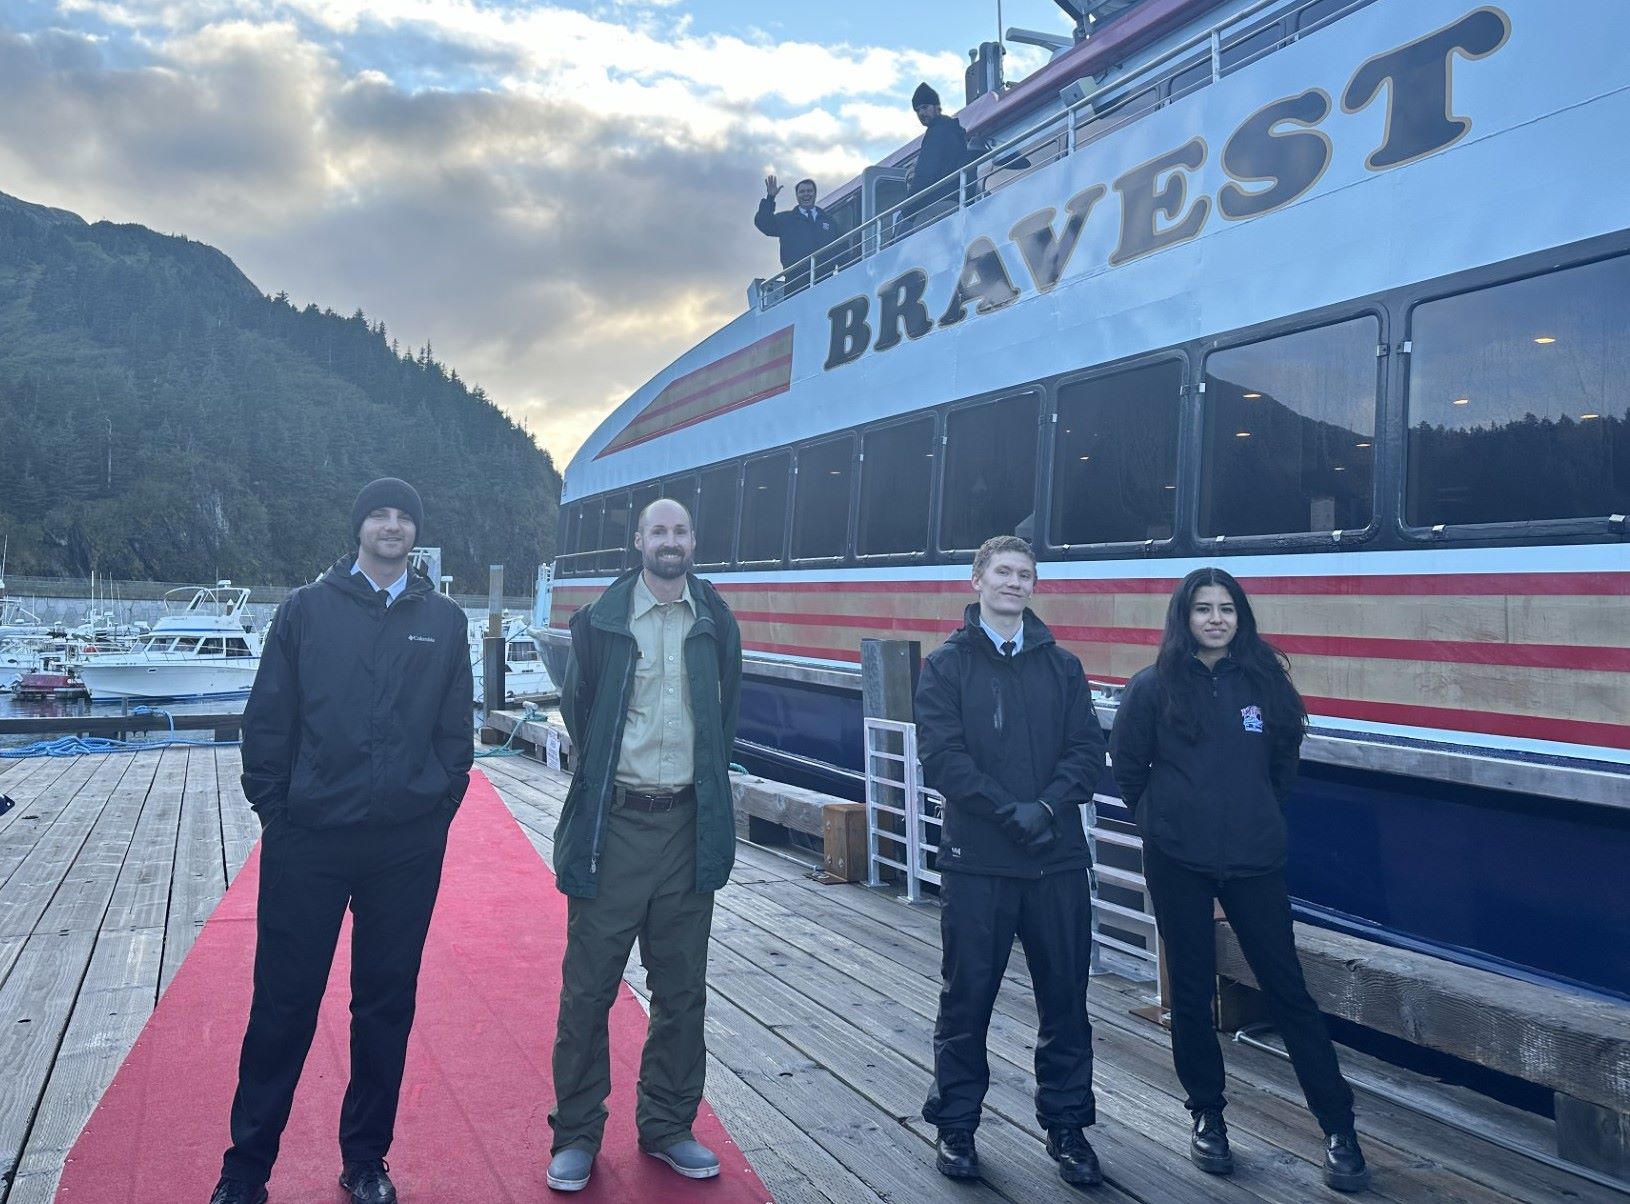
(37, 813)
(240, 828)
(113, 1003)
(199, 880)
(141, 893)
(40, 872)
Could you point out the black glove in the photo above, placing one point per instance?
(1031, 825)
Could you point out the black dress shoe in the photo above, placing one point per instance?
(955, 1156)
(1344, 1167)
(1208, 1146)
(1077, 1163)
(368, 1182)
(236, 1191)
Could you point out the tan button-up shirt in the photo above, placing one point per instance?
(659, 737)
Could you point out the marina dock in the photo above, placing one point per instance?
(820, 1018)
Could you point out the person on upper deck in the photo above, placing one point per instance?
(803, 230)
(944, 150)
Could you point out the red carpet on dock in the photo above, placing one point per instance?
(473, 1124)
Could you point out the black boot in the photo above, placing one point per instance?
(1077, 1163)
(1344, 1167)
(1208, 1146)
(955, 1156)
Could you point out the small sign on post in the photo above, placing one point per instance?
(551, 749)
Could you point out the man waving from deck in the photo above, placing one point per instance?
(646, 836)
(1007, 733)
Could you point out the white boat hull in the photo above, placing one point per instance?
(119, 676)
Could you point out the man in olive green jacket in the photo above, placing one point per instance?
(646, 836)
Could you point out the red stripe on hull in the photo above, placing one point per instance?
(1469, 652)
(1386, 585)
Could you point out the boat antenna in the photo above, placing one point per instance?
(998, 22)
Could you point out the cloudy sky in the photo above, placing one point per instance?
(557, 195)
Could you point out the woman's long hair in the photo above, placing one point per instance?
(1265, 665)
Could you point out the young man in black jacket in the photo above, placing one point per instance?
(1007, 733)
(357, 746)
(944, 150)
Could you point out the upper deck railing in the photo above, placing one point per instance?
(1224, 48)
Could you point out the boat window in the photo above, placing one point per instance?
(616, 534)
(716, 515)
(588, 536)
(990, 472)
(235, 647)
(522, 652)
(214, 647)
(682, 490)
(571, 522)
(1290, 432)
(1519, 409)
(644, 495)
(820, 512)
(896, 477)
(764, 508)
(1115, 457)
(1320, 10)
(186, 644)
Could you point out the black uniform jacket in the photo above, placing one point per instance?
(992, 732)
(944, 150)
(1213, 804)
(360, 715)
(800, 237)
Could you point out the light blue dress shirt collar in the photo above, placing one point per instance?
(999, 639)
(394, 589)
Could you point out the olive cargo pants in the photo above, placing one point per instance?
(647, 892)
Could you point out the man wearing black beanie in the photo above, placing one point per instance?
(944, 150)
(357, 746)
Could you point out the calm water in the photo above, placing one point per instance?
(10, 707)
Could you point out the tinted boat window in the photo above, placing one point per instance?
(764, 508)
(716, 515)
(1115, 457)
(990, 472)
(820, 514)
(643, 497)
(588, 536)
(683, 490)
(1290, 433)
(616, 536)
(1519, 401)
(896, 471)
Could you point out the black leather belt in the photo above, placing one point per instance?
(635, 801)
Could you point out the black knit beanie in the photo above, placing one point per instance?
(924, 95)
(387, 491)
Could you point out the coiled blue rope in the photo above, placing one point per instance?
(81, 746)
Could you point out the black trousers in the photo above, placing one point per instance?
(389, 878)
(1052, 917)
(1258, 908)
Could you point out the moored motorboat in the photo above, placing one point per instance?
(200, 648)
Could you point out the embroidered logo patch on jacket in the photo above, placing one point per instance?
(1252, 718)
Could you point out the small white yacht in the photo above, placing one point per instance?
(524, 671)
(199, 648)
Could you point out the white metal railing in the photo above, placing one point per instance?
(902, 843)
(1057, 136)
(894, 787)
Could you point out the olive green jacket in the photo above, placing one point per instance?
(594, 703)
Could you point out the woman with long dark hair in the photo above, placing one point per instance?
(1205, 749)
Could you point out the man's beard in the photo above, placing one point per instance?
(666, 567)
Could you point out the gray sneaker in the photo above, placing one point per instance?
(690, 1158)
(569, 1170)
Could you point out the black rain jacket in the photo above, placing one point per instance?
(944, 150)
(1213, 805)
(360, 715)
(800, 237)
(993, 732)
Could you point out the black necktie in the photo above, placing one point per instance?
(1008, 649)
(384, 598)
